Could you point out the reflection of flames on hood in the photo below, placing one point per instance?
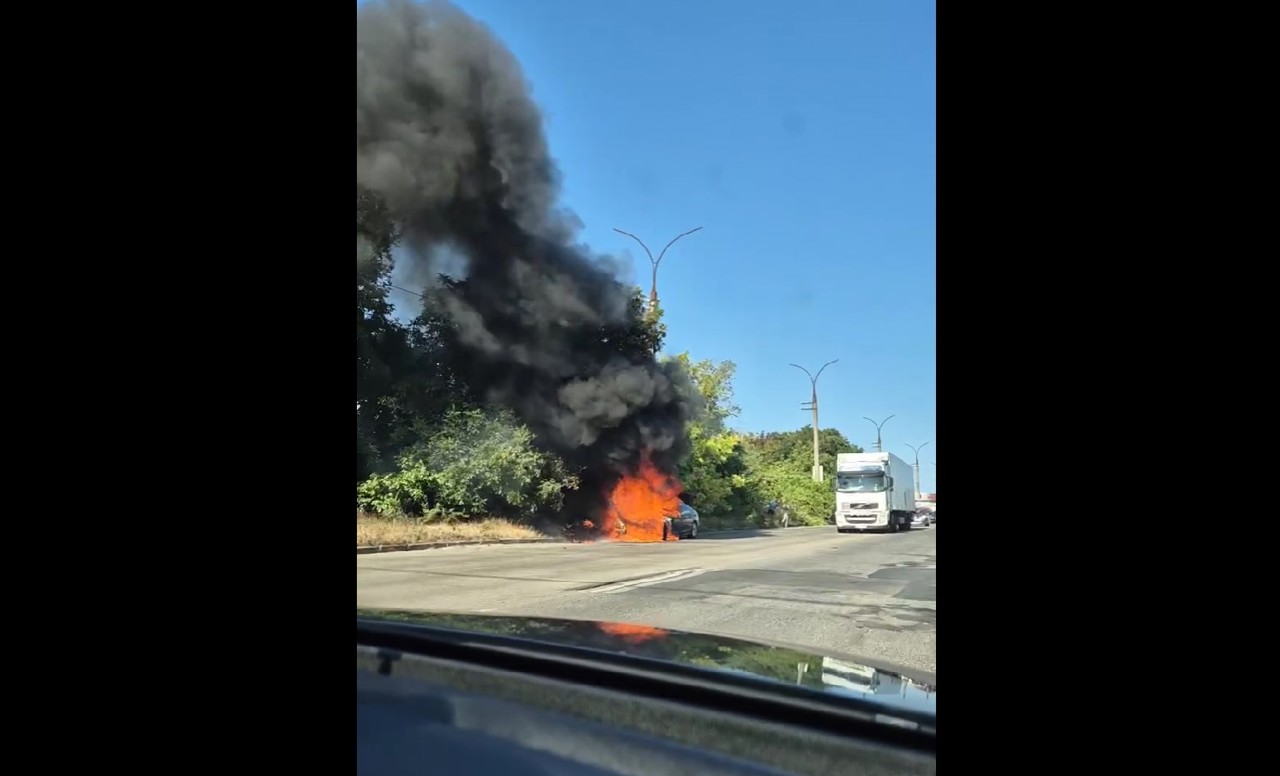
(633, 634)
(639, 505)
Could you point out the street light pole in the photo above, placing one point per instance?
(917, 466)
(813, 383)
(879, 447)
(653, 289)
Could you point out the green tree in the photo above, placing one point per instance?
(381, 343)
(403, 377)
(714, 382)
(715, 473)
(472, 463)
(649, 332)
(781, 463)
(806, 502)
(794, 449)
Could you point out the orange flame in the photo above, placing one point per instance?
(640, 504)
(632, 633)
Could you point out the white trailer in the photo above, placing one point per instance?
(874, 492)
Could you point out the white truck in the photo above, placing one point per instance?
(874, 492)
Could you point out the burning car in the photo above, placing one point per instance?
(682, 525)
(645, 506)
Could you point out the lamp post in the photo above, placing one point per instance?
(653, 288)
(879, 447)
(813, 382)
(917, 464)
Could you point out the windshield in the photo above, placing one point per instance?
(860, 483)
(579, 351)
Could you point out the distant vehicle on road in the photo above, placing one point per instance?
(922, 519)
(874, 492)
(683, 525)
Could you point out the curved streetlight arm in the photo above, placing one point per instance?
(824, 366)
(812, 377)
(642, 245)
(881, 423)
(663, 252)
(657, 261)
(806, 371)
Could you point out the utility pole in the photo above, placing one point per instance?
(813, 382)
(879, 447)
(653, 288)
(917, 465)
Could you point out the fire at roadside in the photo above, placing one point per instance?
(635, 510)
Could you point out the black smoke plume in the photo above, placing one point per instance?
(449, 138)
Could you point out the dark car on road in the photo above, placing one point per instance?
(683, 525)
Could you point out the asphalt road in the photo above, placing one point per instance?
(857, 596)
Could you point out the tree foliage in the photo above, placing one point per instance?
(794, 449)
(716, 476)
(651, 332)
(472, 463)
(382, 346)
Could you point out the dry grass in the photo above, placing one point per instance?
(372, 530)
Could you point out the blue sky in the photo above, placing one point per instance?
(800, 136)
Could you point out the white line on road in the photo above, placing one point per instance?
(652, 579)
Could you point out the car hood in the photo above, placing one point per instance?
(823, 673)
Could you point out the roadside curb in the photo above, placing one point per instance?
(367, 549)
(375, 548)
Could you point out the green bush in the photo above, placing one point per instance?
(473, 464)
(715, 477)
(808, 502)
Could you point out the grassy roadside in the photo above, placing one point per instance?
(372, 530)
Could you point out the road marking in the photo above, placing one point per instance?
(645, 581)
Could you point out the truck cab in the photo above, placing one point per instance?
(874, 492)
